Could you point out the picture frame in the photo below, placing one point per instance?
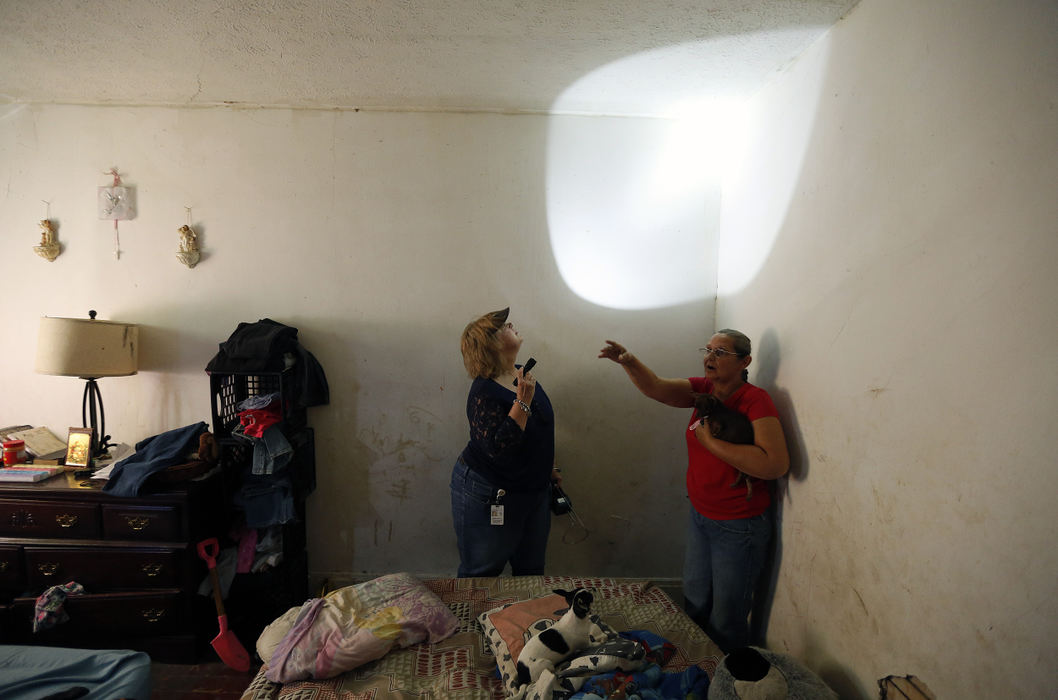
(79, 447)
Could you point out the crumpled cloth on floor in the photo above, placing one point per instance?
(49, 610)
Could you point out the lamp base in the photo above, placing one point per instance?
(91, 408)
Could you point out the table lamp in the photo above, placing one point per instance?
(89, 349)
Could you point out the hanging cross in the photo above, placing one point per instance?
(117, 240)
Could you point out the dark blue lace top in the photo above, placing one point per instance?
(498, 449)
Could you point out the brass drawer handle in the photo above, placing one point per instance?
(47, 568)
(3, 566)
(22, 519)
(151, 570)
(153, 615)
(137, 522)
(66, 520)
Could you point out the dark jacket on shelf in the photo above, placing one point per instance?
(269, 346)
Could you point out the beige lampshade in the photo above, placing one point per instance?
(87, 348)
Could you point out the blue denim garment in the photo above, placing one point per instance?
(721, 567)
(485, 549)
(266, 502)
(271, 452)
(257, 401)
(153, 455)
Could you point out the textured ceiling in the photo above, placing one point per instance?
(633, 57)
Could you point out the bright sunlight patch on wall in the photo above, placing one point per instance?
(634, 204)
(762, 180)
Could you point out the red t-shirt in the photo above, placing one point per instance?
(709, 478)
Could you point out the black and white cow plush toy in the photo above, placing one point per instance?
(571, 634)
(618, 654)
(615, 654)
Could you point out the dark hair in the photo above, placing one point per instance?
(743, 346)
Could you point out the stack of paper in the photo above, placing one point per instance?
(40, 442)
(28, 472)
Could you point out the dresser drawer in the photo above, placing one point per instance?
(103, 568)
(49, 519)
(111, 615)
(144, 523)
(7, 625)
(12, 579)
(135, 558)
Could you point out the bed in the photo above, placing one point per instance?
(36, 672)
(463, 665)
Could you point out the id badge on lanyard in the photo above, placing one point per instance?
(496, 508)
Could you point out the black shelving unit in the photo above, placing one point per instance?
(256, 599)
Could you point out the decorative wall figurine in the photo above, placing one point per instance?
(188, 253)
(49, 248)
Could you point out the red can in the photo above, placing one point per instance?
(14, 452)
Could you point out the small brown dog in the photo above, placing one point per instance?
(726, 424)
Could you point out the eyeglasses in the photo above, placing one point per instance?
(718, 353)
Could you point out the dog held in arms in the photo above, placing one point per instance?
(572, 633)
(726, 424)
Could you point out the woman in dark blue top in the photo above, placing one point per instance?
(501, 483)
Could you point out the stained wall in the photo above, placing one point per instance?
(902, 179)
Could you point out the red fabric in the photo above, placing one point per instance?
(709, 479)
(256, 421)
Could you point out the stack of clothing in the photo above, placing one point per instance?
(266, 493)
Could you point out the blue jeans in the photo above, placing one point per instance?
(485, 549)
(722, 564)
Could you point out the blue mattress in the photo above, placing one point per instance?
(33, 673)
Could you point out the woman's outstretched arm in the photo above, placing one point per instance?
(671, 392)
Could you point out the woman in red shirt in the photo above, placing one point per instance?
(730, 522)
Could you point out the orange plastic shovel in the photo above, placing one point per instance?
(226, 644)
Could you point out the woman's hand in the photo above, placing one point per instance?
(616, 352)
(705, 436)
(671, 392)
(523, 397)
(526, 386)
(766, 458)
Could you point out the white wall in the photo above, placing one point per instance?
(379, 236)
(906, 321)
(901, 190)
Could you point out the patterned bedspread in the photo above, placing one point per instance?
(462, 666)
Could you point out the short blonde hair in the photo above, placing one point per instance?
(481, 347)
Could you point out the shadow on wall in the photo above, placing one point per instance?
(767, 358)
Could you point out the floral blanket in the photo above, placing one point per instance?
(353, 626)
(463, 666)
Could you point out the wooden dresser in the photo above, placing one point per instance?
(135, 558)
